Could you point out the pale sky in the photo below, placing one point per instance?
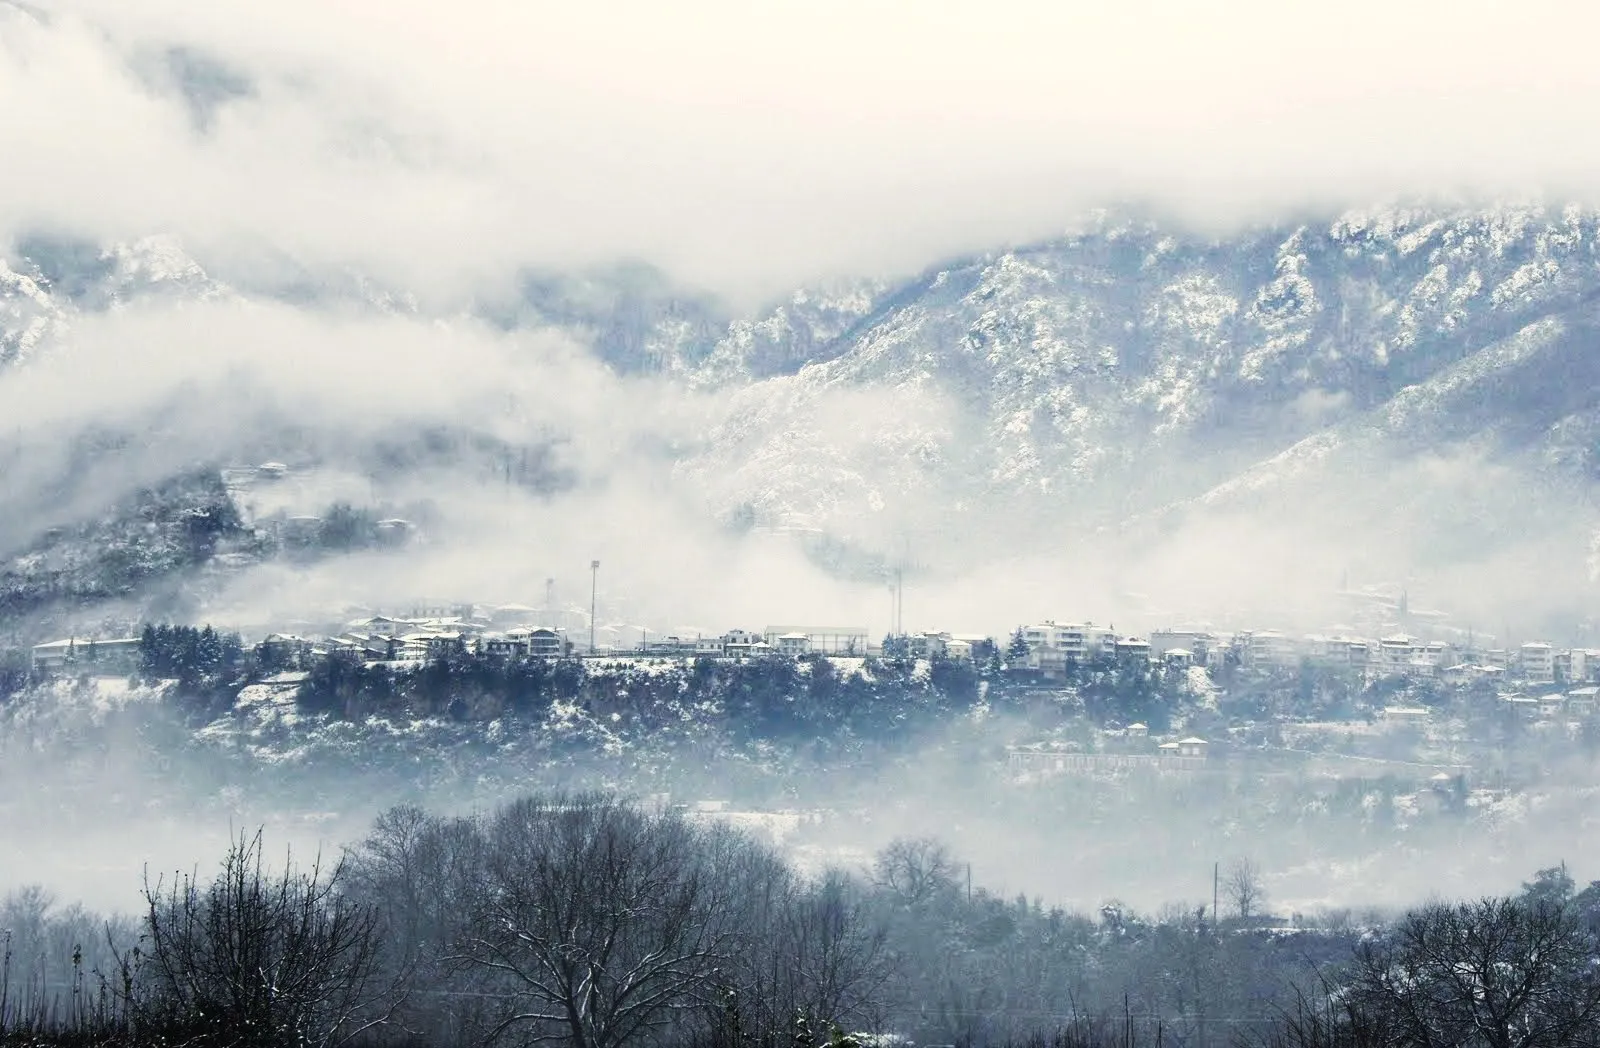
(749, 146)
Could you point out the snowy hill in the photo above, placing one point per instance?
(1127, 376)
(1127, 351)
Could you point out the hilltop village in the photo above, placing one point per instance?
(1046, 649)
(1393, 662)
(1175, 699)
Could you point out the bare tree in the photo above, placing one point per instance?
(1328, 1019)
(836, 951)
(601, 922)
(917, 869)
(413, 867)
(1245, 889)
(817, 953)
(418, 871)
(807, 949)
(256, 958)
(1502, 973)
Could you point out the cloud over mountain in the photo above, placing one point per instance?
(752, 149)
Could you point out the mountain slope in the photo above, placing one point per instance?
(1389, 365)
(1162, 363)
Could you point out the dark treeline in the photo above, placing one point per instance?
(208, 666)
(765, 698)
(587, 920)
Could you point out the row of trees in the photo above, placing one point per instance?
(1517, 972)
(587, 920)
(772, 698)
(188, 653)
(580, 919)
(209, 667)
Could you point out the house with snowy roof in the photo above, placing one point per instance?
(116, 655)
(1581, 702)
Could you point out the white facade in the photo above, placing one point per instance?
(1338, 651)
(1538, 661)
(1266, 649)
(1395, 654)
(824, 640)
(792, 644)
(737, 644)
(85, 654)
(1133, 649)
(1065, 642)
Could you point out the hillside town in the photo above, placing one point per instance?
(1046, 647)
(1535, 680)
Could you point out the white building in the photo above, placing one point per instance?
(791, 644)
(1581, 702)
(1338, 651)
(1269, 649)
(1395, 654)
(1051, 644)
(545, 642)
(87, 655)
(928, 645)
(1537, 660)
(1132, 649)
(740, 644)
(824, 640)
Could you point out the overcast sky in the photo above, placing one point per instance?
(748, 146)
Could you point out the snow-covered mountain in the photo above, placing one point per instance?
(1417, 365)
(1164, 364)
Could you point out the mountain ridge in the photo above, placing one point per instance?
(1126, 371)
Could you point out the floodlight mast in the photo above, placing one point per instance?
(594, 589)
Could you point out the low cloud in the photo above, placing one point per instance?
(749, 149)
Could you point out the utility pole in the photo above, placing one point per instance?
(550, 602)
(594, 588)
(1216, 892)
